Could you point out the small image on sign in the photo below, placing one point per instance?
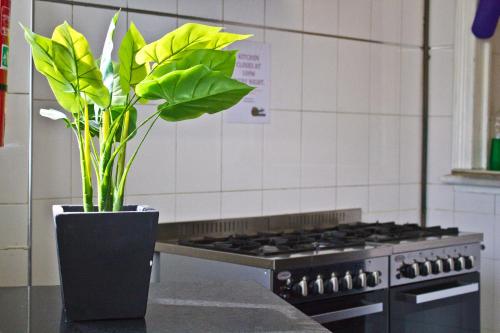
(252, 68)
(5, 56)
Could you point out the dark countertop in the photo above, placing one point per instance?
(173, 307)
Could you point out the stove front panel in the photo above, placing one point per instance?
(316, 283)
(417, 266)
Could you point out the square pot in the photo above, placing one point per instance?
(105, 261)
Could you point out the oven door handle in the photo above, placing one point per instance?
(359, 311)
(441, 294)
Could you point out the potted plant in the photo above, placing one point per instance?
(105, 249)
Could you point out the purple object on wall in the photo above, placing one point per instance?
(486, 18)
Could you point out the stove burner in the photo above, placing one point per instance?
(339, 237)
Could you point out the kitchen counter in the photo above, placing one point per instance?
(173, 307)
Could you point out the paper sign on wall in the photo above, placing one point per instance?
(252, 68)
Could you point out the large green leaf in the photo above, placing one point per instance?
(43, 50)
(190, 36)
(222, 61)
(106, 63)
(131, 72)
(118, 96)
(65, 95)
(73, 58)
(192, 92)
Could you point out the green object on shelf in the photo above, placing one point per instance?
(495, 154)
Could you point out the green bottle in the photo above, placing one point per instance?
(495, 154)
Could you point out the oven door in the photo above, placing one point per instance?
(449, 305)
(362, 313)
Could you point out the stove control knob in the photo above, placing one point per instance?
(459, 263)
(410, 271)
(303, 286)
(425, 268)
(437, 266)
(318, 286)
(469, 262)
(332, 286)
(373, 279)
(346, 283)
(360, 281)
(301, 289)
(448, 265)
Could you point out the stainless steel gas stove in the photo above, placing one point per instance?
(341, 272)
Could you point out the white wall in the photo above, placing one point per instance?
(14, 157)
(344, 132)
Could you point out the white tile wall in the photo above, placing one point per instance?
(474, 202)
(440, 197)
(197, 206)
(318, 149)
(242, 155)
(410, 149)
(241, 204)
(355, 18)
(245, 11)
(411, 81)
(319, 74)
(278, 201)
(409, 197)
(386, 20)
(14, 265)
(439, 148)
(286, 73)
(51, 166)
(199, 154)
(208, 8)
(413, 24)
(14, 226)
(384, 150)
(352, 149)
(354, 73)
(317, 199)
(334, 103)
(385, 79)
(352, 197)
(442, 22)
(383, 198)
(282, 151)
(285, 14)
(441, 82)
(321, 16)
(167, 6)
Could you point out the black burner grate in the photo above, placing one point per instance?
(341, 236)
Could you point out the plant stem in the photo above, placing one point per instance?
(120, 189)
(104, 190)
(88, 205)
(123, 151)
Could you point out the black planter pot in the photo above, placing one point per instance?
(105, 261)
